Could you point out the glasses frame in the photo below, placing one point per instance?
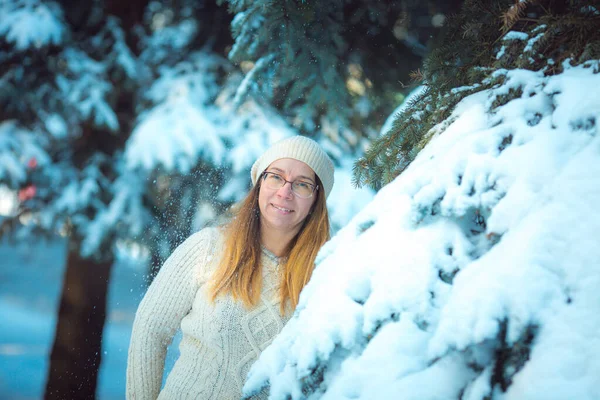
(314, 186)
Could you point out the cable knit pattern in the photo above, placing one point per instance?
(220, 341)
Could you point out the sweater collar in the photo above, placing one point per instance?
(270, 255)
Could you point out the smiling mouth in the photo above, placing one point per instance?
(281, 208)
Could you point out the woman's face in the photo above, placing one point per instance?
(281, 209)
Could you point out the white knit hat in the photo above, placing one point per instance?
(302, 149)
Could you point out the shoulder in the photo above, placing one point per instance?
(208, 243)
(197, 247)
(206, 236)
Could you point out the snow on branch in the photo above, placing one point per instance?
(122, 54)
(86, 88)
(125, 210)
(184, 127)
(31, 24)
(17, 147)
(175, 135)
(249, 83)
(474, 274)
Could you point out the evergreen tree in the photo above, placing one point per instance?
(334, 67)
(117, 125)
(483, 37)
(481, 44)
(472, 275)
(75, 100)
(67, 81)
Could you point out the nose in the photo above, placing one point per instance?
(285, 191)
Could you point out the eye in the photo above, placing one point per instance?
(274, 177)
(303, 185)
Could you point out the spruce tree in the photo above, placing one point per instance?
(482, 38)
(73, 88)
(481, 42)
(334, 67)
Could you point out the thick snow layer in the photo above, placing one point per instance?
(487, 244)
(345, 200)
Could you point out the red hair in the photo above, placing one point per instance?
(239, 271)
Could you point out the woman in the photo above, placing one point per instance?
(232, 289)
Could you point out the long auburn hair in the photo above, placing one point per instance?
(239, 270)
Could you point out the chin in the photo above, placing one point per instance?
(281, 223)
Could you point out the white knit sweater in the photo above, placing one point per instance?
(220, 341)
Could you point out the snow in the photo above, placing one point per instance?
(17, 147)
(345, 200)
(261, 128)
(29, 23)
(182, 127)
(522, 36)
(56, 126)
(9, 200)
(173, 135)
(531, 42)
(501, 52)
(490, 233)
(125, 207)
(387, 125)
(515, 35)
(124, 57)
(86, 88)
(165, 40)
(488, 237)
(249, 81)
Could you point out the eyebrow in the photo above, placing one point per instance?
(299, 176)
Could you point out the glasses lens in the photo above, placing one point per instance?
(274, 181)
(302, 189)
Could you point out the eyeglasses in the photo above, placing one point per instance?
(302, 189)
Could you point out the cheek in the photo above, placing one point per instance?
(262, 199)
(306, 209)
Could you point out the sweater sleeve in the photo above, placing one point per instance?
(167, 301)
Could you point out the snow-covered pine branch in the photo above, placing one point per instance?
(475, 273)
(27, 24)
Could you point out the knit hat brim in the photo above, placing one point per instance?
(302, 149)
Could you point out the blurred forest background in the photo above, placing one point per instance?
(129, 125)
(126, 126)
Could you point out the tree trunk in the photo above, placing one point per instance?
(77, 349)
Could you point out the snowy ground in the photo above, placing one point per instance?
(30, 284)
